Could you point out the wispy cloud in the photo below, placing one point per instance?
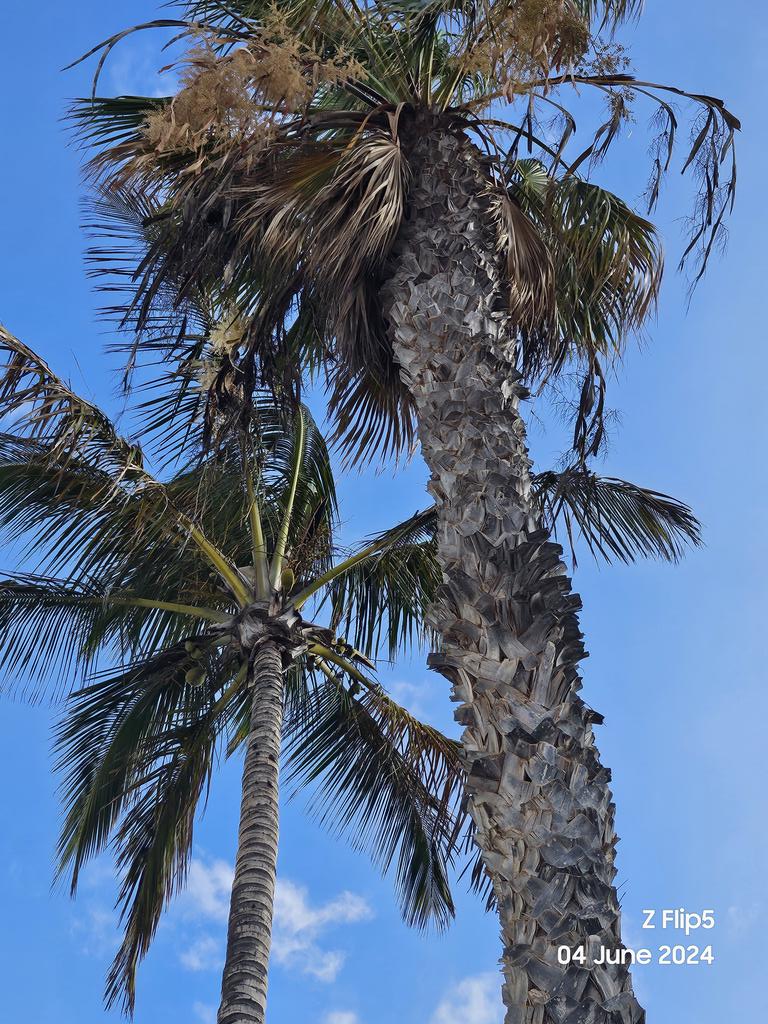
(298, 925)
(98, 873)
(208, 890)
(416, 699)
(475, 1000)
(742, 919)
(205, 954)
(97, 929)
(204, 1012)
(341, 1017)
(133, 69)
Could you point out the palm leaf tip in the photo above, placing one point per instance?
(616, 519)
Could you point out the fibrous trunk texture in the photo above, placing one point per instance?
(244, 984)
(511, 644)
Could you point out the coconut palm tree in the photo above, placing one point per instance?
(193, 587)
(344, 161)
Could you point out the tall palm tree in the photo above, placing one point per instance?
(343, 160)
(194, 587)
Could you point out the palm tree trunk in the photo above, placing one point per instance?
(244, 984)
(511, 644)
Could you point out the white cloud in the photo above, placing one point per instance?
(414, 698)
(98, 930)
(298, 926)
(205, 954)
(204, 1012)
(293, 912)
(208, 890)
(133, 70)
(475, 1000)
(742, 919)
(341, 1017)
(98, 873)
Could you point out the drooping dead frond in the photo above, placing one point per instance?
(530, 273)
(710, 155)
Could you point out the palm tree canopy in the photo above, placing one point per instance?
(139, 585)
(280, 174)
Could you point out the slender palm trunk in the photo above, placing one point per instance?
(511, 644)
(244, 985)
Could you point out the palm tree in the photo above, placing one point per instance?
(343, 161)
(194, 587)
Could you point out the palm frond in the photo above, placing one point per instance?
(76, 525)
(372, 409)
(606, 260)
(710, 156)
(39, 405)
(389, 783)
(52, 629)
(616, 519)
(379, 596)
(137, 752)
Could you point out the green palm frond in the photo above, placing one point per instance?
(389, 783)
(616, 519)
(154, 843)
(111, 732)
(75, 523)
(69, 513)
(606, 259)
(137, 749)
(62, 444)
(109, 122)
(379, 602)
(58, 628)
(42, 407)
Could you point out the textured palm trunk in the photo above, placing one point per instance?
(244, 985)
(511, 644)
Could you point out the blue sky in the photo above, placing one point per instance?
(677, 653)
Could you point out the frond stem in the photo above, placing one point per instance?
(337, 570)
(278, 557)
(325, 653)
(258, 543)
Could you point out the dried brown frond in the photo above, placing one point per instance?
(528, 262)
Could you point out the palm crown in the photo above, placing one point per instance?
(282, 170)
(154, 577)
